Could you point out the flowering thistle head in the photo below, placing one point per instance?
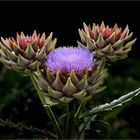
(113, 43)
(25, 53)
(67, 59)
(71, 73)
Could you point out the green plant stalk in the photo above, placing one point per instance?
(66, 127)
(54, 121)
(47, 107)
(37, 88)
(79, 110)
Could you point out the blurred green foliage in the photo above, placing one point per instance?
(20, 104)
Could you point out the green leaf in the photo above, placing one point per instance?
(69, 125)
(21, 127)
(115, 103)
(54, 121)
(79, 110)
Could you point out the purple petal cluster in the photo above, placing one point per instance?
(69, 58)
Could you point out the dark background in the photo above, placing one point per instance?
(18, 101)
(65, 17)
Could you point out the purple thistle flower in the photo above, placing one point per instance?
(69, 58)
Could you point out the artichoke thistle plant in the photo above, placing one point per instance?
(71, 73)
(25, 53)
(111, 43)
(68, 77)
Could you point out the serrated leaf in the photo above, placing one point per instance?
(115, 103)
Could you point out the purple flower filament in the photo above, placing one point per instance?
(69, 58)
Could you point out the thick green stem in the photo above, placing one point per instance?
(67, 122)
(47, 108)
(37, 88)
(54, 121)
(80, 109)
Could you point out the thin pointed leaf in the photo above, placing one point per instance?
(115, 103)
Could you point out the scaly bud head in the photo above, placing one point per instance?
(25, 53)
(71, 74)
(113, 43)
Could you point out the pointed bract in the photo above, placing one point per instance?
(27, 52)
(106, 41)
